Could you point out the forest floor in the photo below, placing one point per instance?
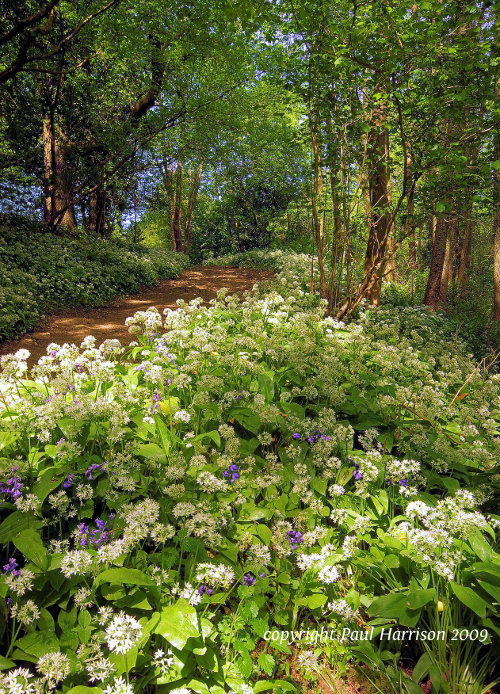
(74, 324)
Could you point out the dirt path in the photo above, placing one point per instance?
(73, 325)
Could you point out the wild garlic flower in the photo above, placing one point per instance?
(308, 660)
(349, 547)
(215, 575)
(119, 686)
(99, 669)
(122, 633)
(341, 607)
(81, 598)
(20, 583)
(163, 660)
(27, 613)
(76, 562)
(54, 667)
(328, 574)
(188, 592)
(182, 416)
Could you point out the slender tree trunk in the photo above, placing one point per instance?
(177, 222)
(433, 290)
(496, 221)
(380, 200)
(464, 261)
(97, 211)
(56, 178)
(447, 272)
(191, 203)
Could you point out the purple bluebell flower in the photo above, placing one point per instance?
(296, 436)
(69, 482)
(226, 473)
(235, 476)
(11, 568)
(203, 589)
(60, 442)
(89, 471)
(403, 483)
(233, 468)
(294, 538)
(248, 579)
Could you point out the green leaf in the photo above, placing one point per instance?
(15, 523)
(264, 533)
(245, 665)
(213, 435)
(124, 576)
(273, 686)
(178, 623)
(163, 434)
(421, 669)
(479, 544)
(5, 663)
(30, 544)
(394, 606)
(46, 483)
(469, 598)
(267, 663)
(38, 643)
(80, 689)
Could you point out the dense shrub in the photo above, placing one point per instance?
(247, 469)
(41, 272)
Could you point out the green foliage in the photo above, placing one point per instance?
(193, 507)
(41, 272)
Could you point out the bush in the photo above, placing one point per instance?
(256, 469)
(41, 272)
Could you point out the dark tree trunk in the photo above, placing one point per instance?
(380, 199)
(97, 211)
(433, 290)
(57, 189)
(496, 223)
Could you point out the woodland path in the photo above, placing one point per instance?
(74, 324)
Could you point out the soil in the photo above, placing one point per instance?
(73, 325)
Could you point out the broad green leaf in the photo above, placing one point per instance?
(394, 606)
(469, 598)
(5, 663)
(178, 623)
(30, 544)
(15, 523)
(38, 643)
(267, 663)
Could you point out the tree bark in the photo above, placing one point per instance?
(57, 189)
(177, 221)
(433, 290)
(449, 255)
(190, 207)
(464, 261)
(379, 186)
(97, 211)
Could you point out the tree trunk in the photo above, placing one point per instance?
(177, 221)
(447, 272)
(379, 186)
(191, 203)
(97, 211)
(57, 191)
(496, 222)
(432, 292)
(464, 261)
